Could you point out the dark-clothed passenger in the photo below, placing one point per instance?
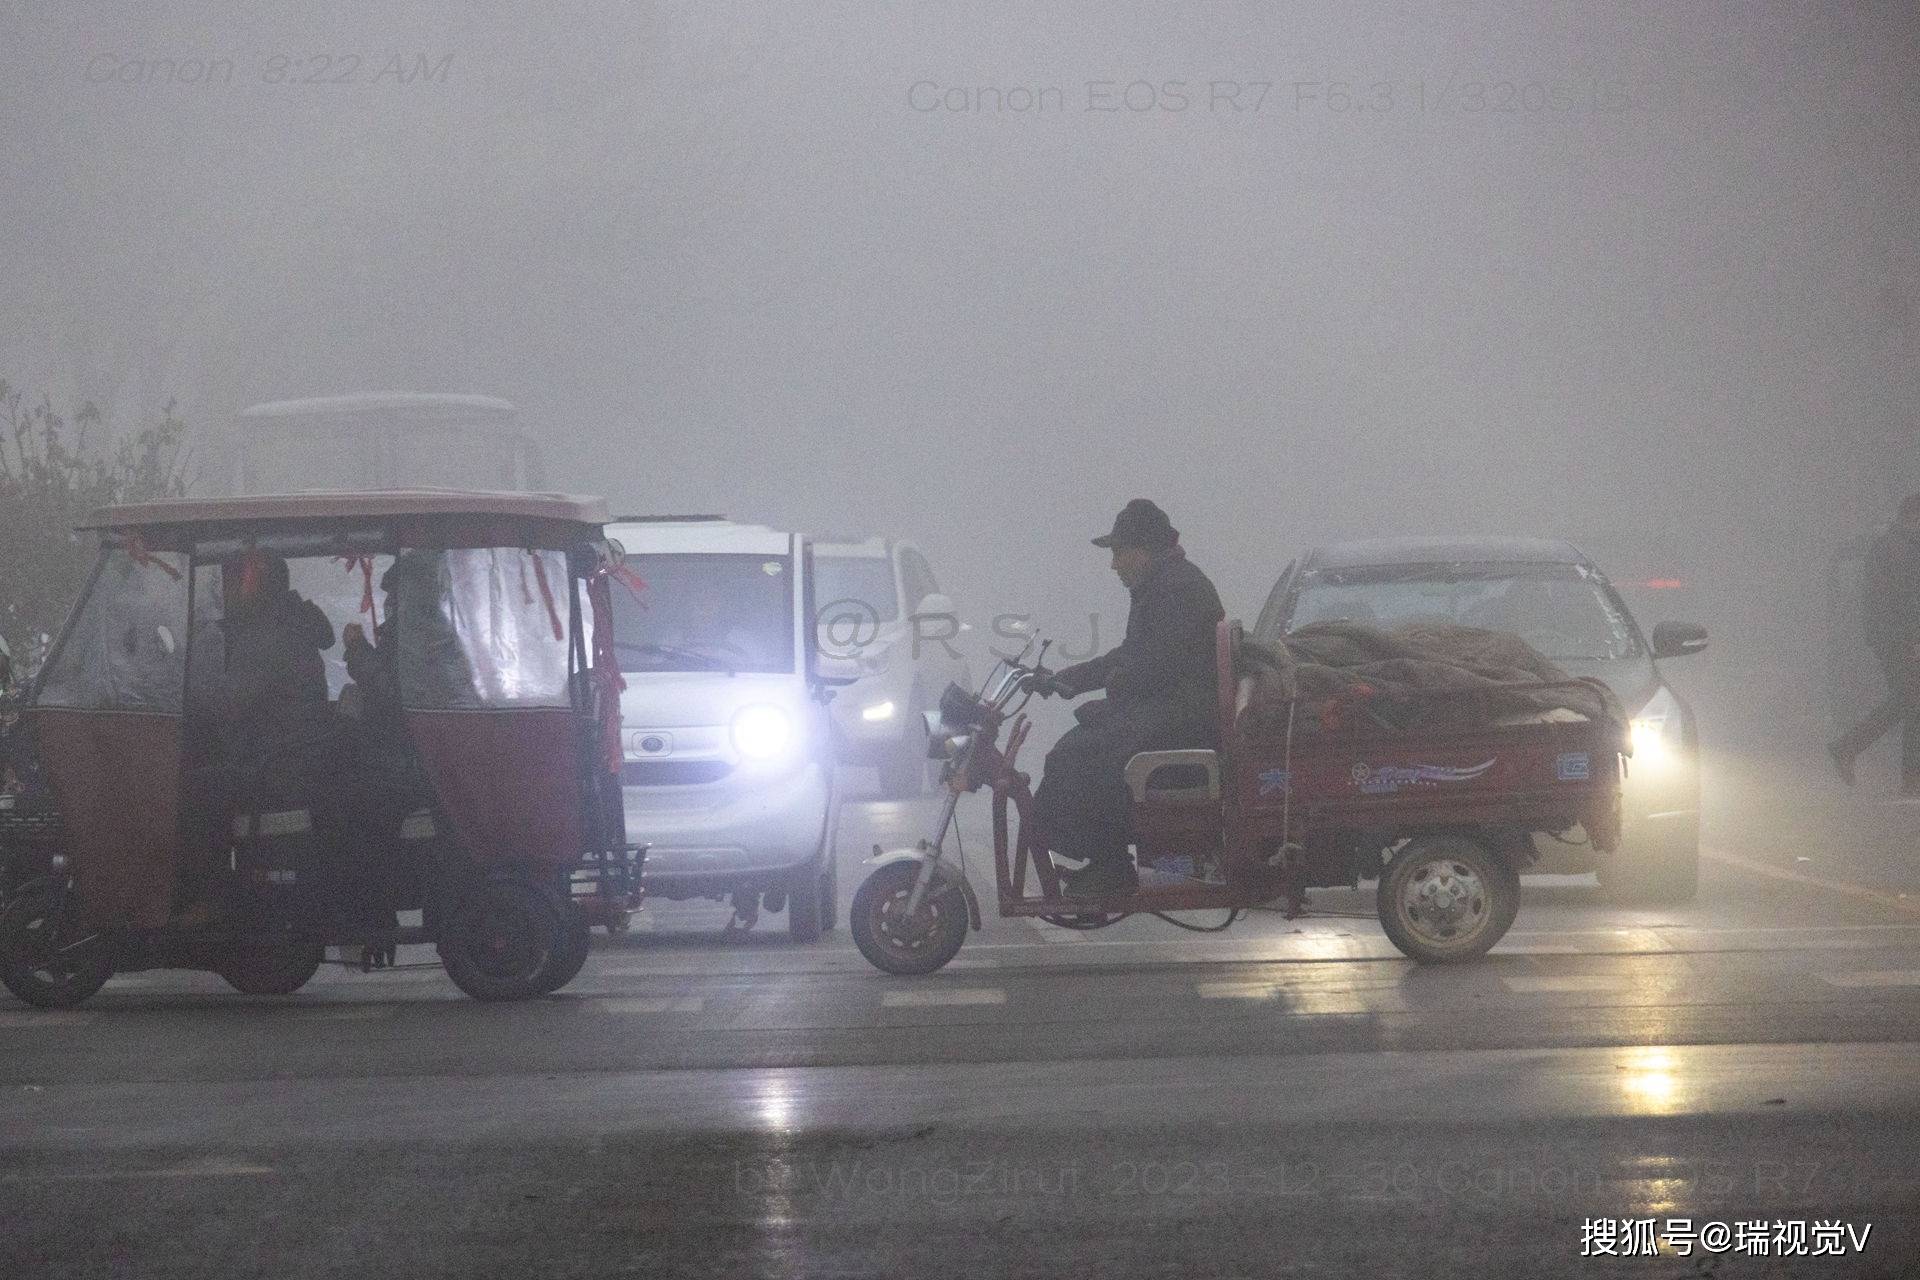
(272, 696)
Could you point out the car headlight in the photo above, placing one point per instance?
(1659, 732)
(762, 732)
(878, 711)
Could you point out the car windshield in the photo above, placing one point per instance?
(721, 612)
(1562, 610)
(861, 585)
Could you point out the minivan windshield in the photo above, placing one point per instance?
(857, 585)
(705, 612)
(1562, 610)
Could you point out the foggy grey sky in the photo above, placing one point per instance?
(721, 262)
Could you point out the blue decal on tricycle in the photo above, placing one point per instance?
(1575, 766)
(1386, 779)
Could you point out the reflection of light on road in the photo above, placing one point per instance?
(773, 1105)
(1654, 1186)
(1649, 1082)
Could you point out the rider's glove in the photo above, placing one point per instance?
(1044, 684)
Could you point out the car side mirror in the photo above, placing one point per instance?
(1678, 639)
(935, 605)
(825, 691)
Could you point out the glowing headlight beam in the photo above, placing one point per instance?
(762, 732)
(877, 712)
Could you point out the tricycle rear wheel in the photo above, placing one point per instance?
(895, 942)
(504, 942)
(35, 966)
(1444, 899)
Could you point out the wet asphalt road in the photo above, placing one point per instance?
(1289, 1098)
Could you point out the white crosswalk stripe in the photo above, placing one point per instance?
(932, 996)
(351, 1012)
(28, 1021)
(1874, 978)
(1566, 982)
(1238, 990)
(649, 1004)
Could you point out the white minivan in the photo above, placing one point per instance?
(728, 771)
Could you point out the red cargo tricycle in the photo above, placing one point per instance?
(476, 783)
(1442, 816)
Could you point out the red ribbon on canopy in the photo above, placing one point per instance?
(136, 548)
(626, 578)
(546, 593)
(365, 565)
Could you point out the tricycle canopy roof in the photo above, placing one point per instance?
(445, 517)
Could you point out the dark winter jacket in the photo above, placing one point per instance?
(1891, 597)
(273, 665)
(1168, 651)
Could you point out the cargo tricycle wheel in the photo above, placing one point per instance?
(899, 943)
(271, 968)
(1447, 898)
(504, 942)
(41, 967)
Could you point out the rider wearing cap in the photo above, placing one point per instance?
(1160, 687)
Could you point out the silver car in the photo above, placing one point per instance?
(884, 621)
(728, 772)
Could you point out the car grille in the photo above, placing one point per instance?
(673, 773)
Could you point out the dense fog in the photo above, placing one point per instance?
(1640, 275)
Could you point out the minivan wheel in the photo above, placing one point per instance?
(805, 920)
(830, 895)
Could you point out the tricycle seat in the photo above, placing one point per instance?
(1174, 777)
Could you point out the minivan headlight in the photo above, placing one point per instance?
(762, 732)
(1659, 734)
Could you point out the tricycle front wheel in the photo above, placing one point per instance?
(1446, 899)
(899, 942)
(42, 964)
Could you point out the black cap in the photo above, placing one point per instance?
(1141, 524)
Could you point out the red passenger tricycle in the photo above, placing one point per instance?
(1442, 817)
(476, 783)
